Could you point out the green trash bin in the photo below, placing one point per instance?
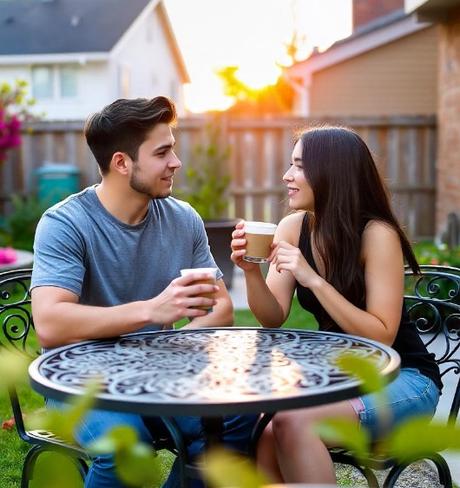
(56, 181)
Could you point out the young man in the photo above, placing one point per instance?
(107, 259)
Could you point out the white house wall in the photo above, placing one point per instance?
(93, 91)
(144, 55)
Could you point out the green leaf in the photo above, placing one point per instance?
(103, 445)
(226, 469)
(345, 433)
(138, 465)
(55, 470)
(63, 423)
(136, 462)
(119, 438)
(81, 404)
(13, 367)
(364, 369)
(417, 437)
(124, 436)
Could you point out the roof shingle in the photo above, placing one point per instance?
(64, 26)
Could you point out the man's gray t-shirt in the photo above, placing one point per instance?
(81, 247)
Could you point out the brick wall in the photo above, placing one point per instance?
(365, 11)
(448, 166)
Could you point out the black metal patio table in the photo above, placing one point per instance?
(210, 372)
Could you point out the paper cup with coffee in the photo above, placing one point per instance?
(210, 280)
(259, 238)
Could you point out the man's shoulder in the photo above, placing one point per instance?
(71, 209)
(174, 205)
(71, 202)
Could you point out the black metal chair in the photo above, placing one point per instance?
(432, 301)
(18, 334)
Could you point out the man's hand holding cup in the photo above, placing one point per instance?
(207, 279)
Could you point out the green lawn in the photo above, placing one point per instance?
(13, 449)
(298, 318)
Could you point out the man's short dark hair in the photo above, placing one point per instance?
(123, 126)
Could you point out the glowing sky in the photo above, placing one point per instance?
(250, 34)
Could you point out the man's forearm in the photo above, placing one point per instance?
(221, 316)
(66, 322)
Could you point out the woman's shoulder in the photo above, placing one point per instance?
(379, 229)
(290, 226)
(379, 236)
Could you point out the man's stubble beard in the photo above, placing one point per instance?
(137, 185)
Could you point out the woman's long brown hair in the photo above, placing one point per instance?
(348, 193)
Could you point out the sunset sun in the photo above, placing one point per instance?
(251, 35)
(258, 76)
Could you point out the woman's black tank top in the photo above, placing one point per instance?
(407, 343)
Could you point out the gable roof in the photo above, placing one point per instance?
(378, 33)
(64, 26)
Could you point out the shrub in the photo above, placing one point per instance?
(206, 178)
(427, 252)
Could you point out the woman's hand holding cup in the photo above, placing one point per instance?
(247, 254)
(238, 246)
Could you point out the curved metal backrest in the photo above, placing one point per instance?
(17, 328)
(432, 301)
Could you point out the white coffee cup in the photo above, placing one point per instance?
(210, 280)
(259, 238)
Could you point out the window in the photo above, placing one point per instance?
(55, 82)
(68, 81)
(42, 82)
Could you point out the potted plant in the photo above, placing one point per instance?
(207, 182)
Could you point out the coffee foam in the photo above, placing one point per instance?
(259, 228)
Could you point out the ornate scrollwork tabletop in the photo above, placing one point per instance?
(215, 371)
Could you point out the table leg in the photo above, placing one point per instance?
(179, 444)
(257, 431)
(213, 428)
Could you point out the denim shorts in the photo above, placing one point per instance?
(410, 394)
(236, 436)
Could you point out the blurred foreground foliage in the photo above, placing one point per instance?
(139, 466)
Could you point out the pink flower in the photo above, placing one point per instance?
(15, 124)
(14, 140)
(7, 255)
(10, 133)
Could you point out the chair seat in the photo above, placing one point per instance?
(374, 461)
(47, 437)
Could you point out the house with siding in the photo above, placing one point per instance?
(79, 56)
(445, 14)
(388, 66)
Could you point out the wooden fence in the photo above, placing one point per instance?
(404, 148)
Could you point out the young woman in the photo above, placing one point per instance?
(343, 252)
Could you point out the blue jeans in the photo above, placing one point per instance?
(102, 474)
(410, 394)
